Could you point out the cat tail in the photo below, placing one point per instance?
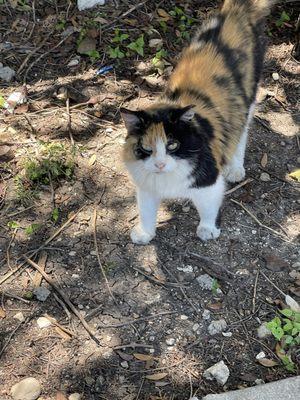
(256, 9)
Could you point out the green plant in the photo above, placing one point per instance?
(286, 330)
(55, 214)
(184, 22)
(61, 24)
(137, 45)
(284, 17)
(215, 287)
(158, 60)
(115, 52)
(32, 229)
(94, 55)
(13, 224)
(119, 37)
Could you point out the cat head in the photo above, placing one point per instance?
(160, 136)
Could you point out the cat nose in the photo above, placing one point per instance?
(160, 165)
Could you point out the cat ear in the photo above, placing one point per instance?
(187, 113)
(131, 118)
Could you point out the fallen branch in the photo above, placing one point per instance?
(259, 222)
(98, 256)
(154, 280)
(248, 180)
(64, 297)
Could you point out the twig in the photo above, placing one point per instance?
(259, 222)
(43, 55)
(98, 256)
(140, 389)
(62, 304)
(32, 130)
(120, 325)
(54, 322)
(14, 296)
(254, 292)
(126, 13)
(210, 270)
(37, 280)
(19, 212)
(69, 121)
(154, 280)
(248, 180)
(133, 346)
(64, 297)
(273, 284)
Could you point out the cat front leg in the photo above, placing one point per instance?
(148, 205)
(208, 201)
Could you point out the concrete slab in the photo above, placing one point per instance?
(286, 389)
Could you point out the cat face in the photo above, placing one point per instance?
(156, 137)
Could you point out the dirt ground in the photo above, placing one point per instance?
(158, 304)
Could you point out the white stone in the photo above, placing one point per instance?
(205, 281)
(187, 269)
(263, 331)
(27, 389)
(73, 63)
(296, 265)
(124, 364)
(227, 334)
(85, 4)
(219, 372)
(75, 276)
(184, 317)
(261, 355)
(206, 315)
(75, 396)
(196, 327)
(275, 76)
(19, 316)
(216, 327)
(72, 253)
(265, 177)
(43, 322)
(170, 341)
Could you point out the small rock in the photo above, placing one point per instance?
(184, 317)
(206, 315)
(170, 341)
(80, 306)
(86, 45)
(85, 4)
(261, 355)
(151, 351)
(19, 316)
(263, 331)
(227, 334)
(196, 327)
(75, 396)
(73, 63)
(124, 364)
(296, 265)
(27, 389)
(205, 281)
(43, 322)
(6, 73)
(216, 327)
(219, 372)
(72, 253)
(41, 293)
(187, 269)
(275, 76)
(265, 177)
(75, 276)
(259, 381)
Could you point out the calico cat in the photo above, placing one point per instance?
(194, 137)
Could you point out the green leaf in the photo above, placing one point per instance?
(138, 45)
(288, 339)
(295, 331)
(55, 214)
(2, 101)
(288, 326)
(287, 312)
(31, 229)
(13, 224)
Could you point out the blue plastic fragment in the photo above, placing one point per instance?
(104, 70)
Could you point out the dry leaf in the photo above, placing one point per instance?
(267, 362)
(143, 357)
(92, 160)
(295, 175)
(162, 13)
(264, 160)
(294, 306)
(162, 384)
(215, 306)
(279, 351)
(2, 313)
(157, 377)
(62, 333)
(60, 396)
(124, 356)
(155, 42)
(101, 20)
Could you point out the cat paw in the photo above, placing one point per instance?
(233, 175)
(208, 232)
(139, 236)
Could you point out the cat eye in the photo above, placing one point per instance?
(145, 149)
(172, 146)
